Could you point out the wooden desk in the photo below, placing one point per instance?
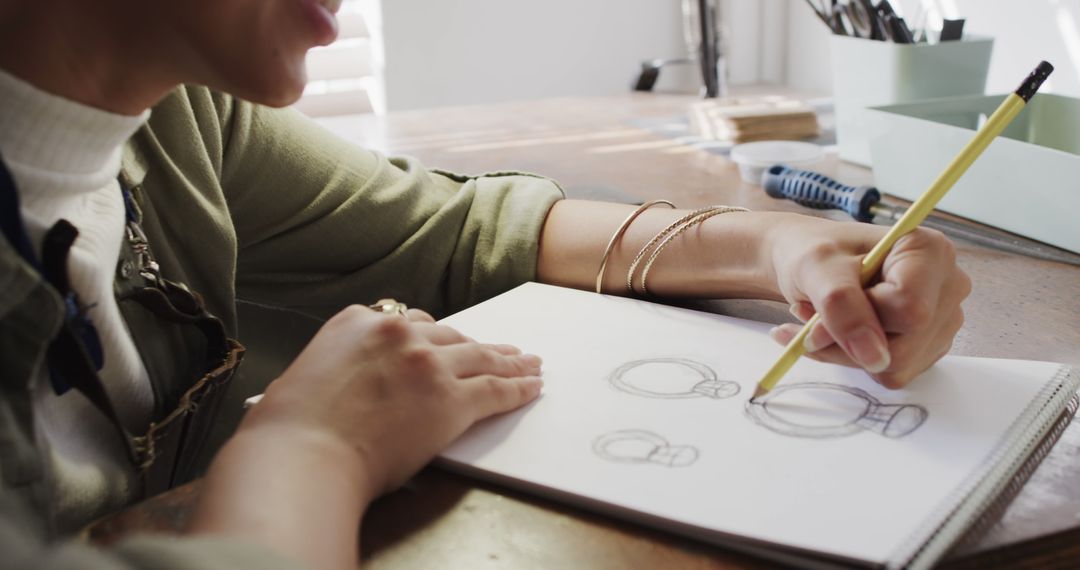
(1020, 308)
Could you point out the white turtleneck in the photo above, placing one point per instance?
(65, 159)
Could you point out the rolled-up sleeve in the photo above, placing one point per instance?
(322, 223)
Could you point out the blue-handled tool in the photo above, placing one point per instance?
(820, 192)
(863, 203)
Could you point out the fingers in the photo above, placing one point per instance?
(471, 359)
(913, 281)
(920, 280)
(490, 395)
(425, 325)
(463, 356)
(440, 335)
(894, 329)
(920, 287)
(847, 314)
(419, 316)
(832, 354)
(912, 353)
(507, 349)
(802, 310)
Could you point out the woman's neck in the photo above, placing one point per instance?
(83, 52)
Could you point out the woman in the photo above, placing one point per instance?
(105, 351)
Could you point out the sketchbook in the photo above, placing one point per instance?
(645, 415)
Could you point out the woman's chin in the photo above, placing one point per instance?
(275, 91)
(281, 98)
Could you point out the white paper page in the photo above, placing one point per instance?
(819, 468)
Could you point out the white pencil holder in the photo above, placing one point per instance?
(868, 73)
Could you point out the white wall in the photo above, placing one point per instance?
(451, 52)
(1024, 31)
(447, 52)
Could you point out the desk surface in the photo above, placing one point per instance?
(1020, 308)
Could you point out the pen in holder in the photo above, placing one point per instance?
(868, 73)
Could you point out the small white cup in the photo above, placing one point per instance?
(754, 157)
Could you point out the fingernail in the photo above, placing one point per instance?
(781, 335)
(794, 310)
(531, 359)
(533, 384)
(531, 362)
(814, 341)
(868, 350)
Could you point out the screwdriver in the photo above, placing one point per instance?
(815, 190)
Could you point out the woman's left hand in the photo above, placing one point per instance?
(894, 329)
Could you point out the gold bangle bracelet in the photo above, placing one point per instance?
(710, 212)
(618, 235)
(645, 249)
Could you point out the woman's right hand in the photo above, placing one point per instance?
(396, 389)
(369, 401)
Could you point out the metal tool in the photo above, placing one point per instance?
(863, 203)
(862, 19)
(702, 29)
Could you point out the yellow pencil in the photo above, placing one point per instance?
(1009, 108)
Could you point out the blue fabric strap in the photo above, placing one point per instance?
(85, 343)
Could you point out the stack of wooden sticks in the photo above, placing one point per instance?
(762, 118)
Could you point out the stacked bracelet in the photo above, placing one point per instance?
(657, 243)
(664, 238)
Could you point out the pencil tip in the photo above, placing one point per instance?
(758, 392)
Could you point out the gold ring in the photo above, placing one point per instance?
(391, 306)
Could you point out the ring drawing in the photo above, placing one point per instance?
(642, 446)
(671, 378)
(826, 410)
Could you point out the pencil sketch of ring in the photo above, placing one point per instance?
(826, 410)
(391, 306)
(671, 378)
(642, 446)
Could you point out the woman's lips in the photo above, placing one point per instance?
(320, 16)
